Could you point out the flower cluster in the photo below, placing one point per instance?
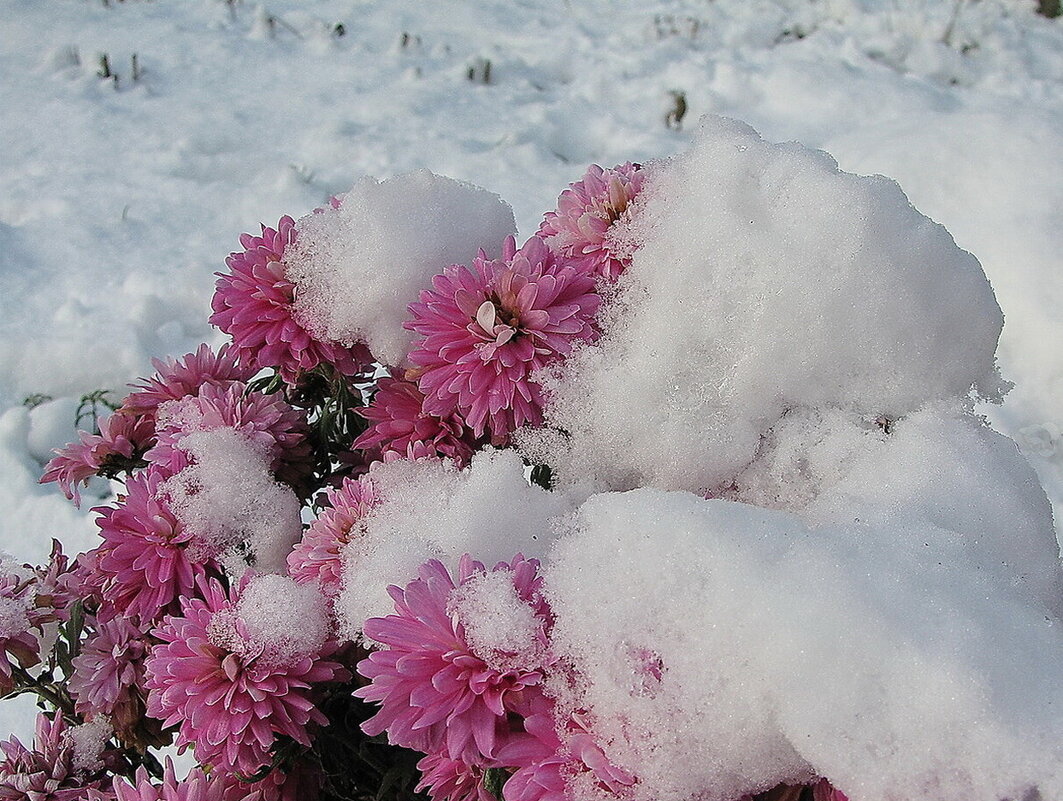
(209, 616)
(474, 702)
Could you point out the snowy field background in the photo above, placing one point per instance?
(121, 197)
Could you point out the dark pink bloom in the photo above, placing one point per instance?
(229, 700)
(317, 557)
(52, 770)
(402, 426)
(487, 330)
(122, 439)
(143, 564)
(196, 786)
(269, 421)
(178, 378)
(582, 230)
(437, 695)
(447, 779)
(254, 304)
(108, 677)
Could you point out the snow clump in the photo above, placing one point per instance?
(428, 509)
(767, 280)
(228, 496)
(357, 264)
(848, 650)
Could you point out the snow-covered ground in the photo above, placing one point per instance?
(122, 195)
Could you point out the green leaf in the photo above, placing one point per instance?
(494, 780)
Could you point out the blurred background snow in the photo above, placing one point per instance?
(140, 138)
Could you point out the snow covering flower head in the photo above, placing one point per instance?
(108, 675)
(437, 694)
(178, 378)
(196, 786)
(400, 425)
(122, 440)
(142, 564)
(486, 331)
(318, 556)
(582, 231)
(57, 768)
(267, 421)
(208, 677)
(254, 304)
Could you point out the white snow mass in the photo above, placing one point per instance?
(229, 500)
(289, 620)
(767, 279)
(357, 267)
(430, 510)
(886, 658)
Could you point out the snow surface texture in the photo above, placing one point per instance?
(430, 511)
(357, 267)
(890, 659)
(767, 280)
(228, 496)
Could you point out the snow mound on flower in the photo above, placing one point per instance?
(289, 619)
(356, 267)
(428, 509)
(766, 280)
(499, 625)
(228, 498)
(893, 657)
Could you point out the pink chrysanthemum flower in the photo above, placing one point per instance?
(488, 329)
(317, 557)
(254, 304)
(402, 426)
(175, 379)
(582, 232)
(266, 420)
(142, 563)
(577, 759)
(18, 645)
(214, 681)
(56, 588)
(196, 786)
(108, 675)
(52, 771)
(446, 779)
(437, 695)
(123, 438)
